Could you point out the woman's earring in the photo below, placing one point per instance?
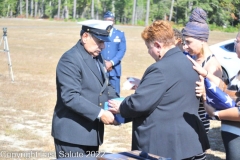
(202, 51)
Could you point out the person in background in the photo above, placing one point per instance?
(196, 33)
(179, 41)
(164, 107)
(114, 52)
(82, 88)
(230, 118)
(231, 114)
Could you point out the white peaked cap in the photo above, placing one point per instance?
(98, 28)
(99, 24)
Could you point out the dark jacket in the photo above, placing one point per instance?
(81, 93)
(164, 109)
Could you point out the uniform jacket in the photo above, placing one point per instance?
(164, 109)
(81, 93)
(115, 51)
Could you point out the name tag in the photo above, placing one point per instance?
(117, 40)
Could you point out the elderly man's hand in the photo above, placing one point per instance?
(107, 118)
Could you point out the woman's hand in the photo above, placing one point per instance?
(200, 89)
(198, 68)
(134, 81)
(114, 106)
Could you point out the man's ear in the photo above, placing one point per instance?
(85, 37)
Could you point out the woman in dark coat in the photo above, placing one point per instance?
(164, 107)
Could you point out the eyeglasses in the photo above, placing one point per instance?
(236, 41)
(183, 42)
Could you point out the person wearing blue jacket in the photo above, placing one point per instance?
(114, 52)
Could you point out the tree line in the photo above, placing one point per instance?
(134, 12)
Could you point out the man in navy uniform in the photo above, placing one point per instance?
(82, 88)
(114, 52)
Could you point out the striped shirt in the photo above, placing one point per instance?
(201, 110)
(201, 113)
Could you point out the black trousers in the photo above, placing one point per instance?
(231, 144)
(64, 149)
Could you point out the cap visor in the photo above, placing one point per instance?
(102, 38)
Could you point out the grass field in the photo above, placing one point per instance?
(27, 104)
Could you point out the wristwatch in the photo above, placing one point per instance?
(216, 117)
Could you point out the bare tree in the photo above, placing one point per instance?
(190, 6)
(92, 9)
(134, 11)
(8, 11)
(74, 9)
(84, 12)
(26, 8)
(59, 9)
(31, 8)
(11, 12)
(147, 13)
(171, 11)
(20, 7)
(97, 10)
(113, 6)
(50, 6)
(65, 12)
(35, 8)
(42, 9)
(39, 9)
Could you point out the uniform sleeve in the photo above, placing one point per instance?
(121, 49)
(70, 87)
(147, 96)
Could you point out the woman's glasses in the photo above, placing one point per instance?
(236, 41)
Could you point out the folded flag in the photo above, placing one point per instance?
(216, 97)
(118, 117)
